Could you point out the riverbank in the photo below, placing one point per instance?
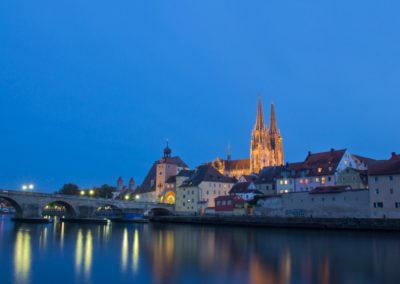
(300, 223)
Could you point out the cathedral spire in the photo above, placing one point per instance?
(229, 152)
(260, 124)
(273, 126)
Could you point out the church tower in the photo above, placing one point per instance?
(266, 143)
(275, 140)
(259, 142)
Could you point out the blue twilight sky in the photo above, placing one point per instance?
(90, 90)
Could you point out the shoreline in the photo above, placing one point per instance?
(391, 225)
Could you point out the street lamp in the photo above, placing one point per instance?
(82, 192)
(28, 186)
(91, 192)
(127, 197)
(137, 196)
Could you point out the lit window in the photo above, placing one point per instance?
(316, 179)
(323, 180)
(286, 181)
(319, 170)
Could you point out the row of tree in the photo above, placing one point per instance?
(104, 191)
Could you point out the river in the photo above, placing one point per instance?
(165, 253)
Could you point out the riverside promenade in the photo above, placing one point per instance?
(279, 222)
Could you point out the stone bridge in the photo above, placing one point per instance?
(31, 204)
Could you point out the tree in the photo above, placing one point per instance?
(69, 189)
(105, 191)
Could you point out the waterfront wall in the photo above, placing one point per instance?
(347, 204)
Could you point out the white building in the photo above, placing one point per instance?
(199, 191)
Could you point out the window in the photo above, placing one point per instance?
(376, 178)
(208, 192)
(323, 180)
(184, 196)
(391, 191)
(215, 192)
(286, 181)
(184, 203)
(397, 204)
(390, 177)
(160, 173)
(333, 199)
(316, 179)
(377, 191)
(379, 204)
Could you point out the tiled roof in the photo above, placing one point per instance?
(324, 163)
(252, 177)
(388, 167)
(269, 174)
(240, 187)
(185, 173)
(237, 164)
(148, 185)
(206, 173)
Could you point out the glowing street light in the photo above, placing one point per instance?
(91, 192)
(137, 196)
(82, 192)
(28, 186)
(127, 197)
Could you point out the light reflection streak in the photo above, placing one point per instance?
(79, 252)
(88, 253)
(125, 249)
(22, 257)
(84, 253)
(135, 251)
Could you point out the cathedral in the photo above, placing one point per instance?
(265, 148)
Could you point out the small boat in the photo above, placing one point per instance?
(32, 220)
(85, 220)
(130, 220)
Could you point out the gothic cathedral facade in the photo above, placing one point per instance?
(265, 149)
(266, 142)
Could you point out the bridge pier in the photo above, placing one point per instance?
(31, 211)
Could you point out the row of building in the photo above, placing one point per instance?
(335, 183)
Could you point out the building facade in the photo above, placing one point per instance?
(266, 149)
(156, 186)
(384, 188)
(200, 190)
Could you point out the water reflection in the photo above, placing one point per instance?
(125, 250)
(84, 253)
(157, 253)
(22, 256)
(135, 251)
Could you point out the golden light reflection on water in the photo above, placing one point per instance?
(79, 252)
(62, 233)
(125, 250)
(135, 251)
(84, 253)
(88, 252)
(22, 257)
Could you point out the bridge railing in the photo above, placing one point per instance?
(82, 198)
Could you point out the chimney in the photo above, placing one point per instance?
(394, 155)
(332, 150)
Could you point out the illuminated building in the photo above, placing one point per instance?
(156, 186)
(265, 148)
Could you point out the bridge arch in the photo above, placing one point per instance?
(18, 208)
(159, 211)
(70, 210)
